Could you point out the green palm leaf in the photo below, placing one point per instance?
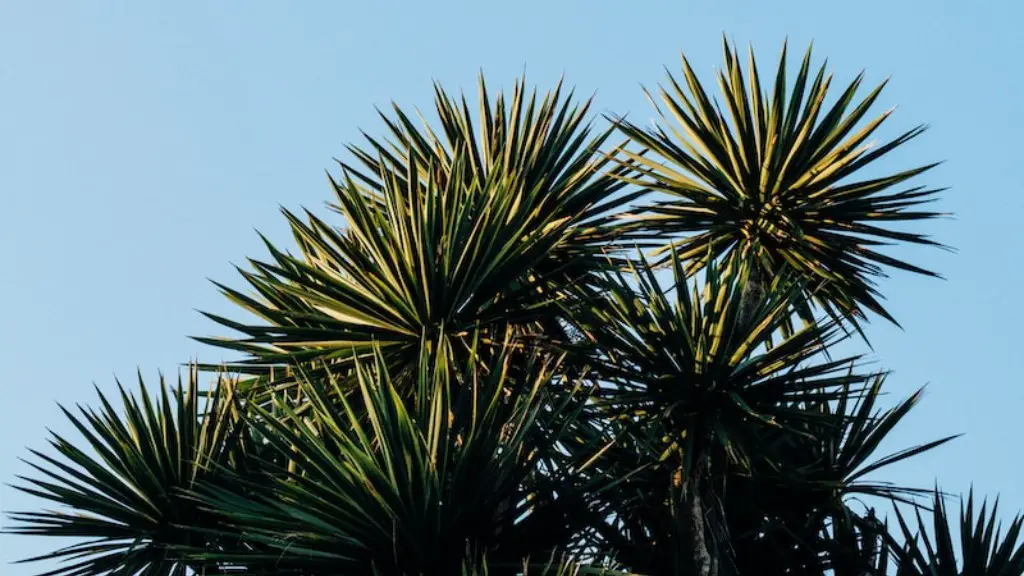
(800, 504)
(984, 548)
(124, 500)
(702, 357)
(855, 545)
(843, 458)
(779, 177)
(405, 486)
(698, 382)
(476, 229)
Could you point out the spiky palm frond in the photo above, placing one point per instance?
(984, 548)
(842, 456)
(696, 380)
(443, 236)
(124, 500)
(781, 178)
(702, 357)
(839, 542)
(797, 509)
(404, 486)
(855, 545)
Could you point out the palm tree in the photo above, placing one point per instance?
(477, 372)
(445, 236)
(779, 182)
(128, 497)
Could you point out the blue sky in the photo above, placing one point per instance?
(142, 143)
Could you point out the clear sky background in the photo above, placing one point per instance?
(142, 142)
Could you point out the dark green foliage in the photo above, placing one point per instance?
(400, 486)
(126, 497)
(984, 547)
(776, 180)
(444, 236)
(472, 374)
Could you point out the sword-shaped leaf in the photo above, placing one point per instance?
(781, 180)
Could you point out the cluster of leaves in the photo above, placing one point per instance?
(478, 373)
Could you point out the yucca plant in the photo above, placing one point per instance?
(701, 365)
(984, 547)
(123, 499)
(807, 494)
(470, 371)
(780, 180)
(476, 230)
(405, 486)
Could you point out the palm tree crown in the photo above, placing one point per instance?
(778, 177)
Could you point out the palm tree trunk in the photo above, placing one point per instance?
(751, 296)
(702, 556)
